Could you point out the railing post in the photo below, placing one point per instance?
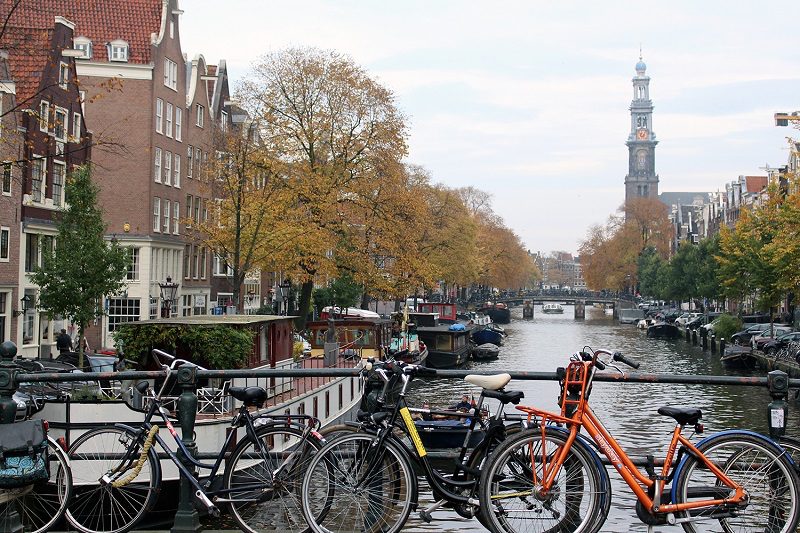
(713, 343)
(187, 517)
(778, 408)
(10, 521)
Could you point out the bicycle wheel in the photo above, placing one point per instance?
(792, 447)
(97, 506)
(759, 467)
(264, 479)
(352, 485)
(510, 497)
(41, 505)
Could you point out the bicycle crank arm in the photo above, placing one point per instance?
(213, 510)
(425, 514)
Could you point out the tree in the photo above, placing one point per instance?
(83, 267)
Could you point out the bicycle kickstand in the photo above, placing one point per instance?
(425, 514)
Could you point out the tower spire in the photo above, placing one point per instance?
(642, 180)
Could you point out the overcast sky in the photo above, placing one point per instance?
(529, 100)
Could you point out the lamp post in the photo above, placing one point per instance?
(25, 304)
(168, 292)
(285, 287)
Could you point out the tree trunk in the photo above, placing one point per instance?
(81, 337)
(305, 305)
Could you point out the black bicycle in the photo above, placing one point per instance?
(117, 474)
(365, 481)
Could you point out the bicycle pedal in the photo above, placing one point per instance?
(214, 511)
(426, 516)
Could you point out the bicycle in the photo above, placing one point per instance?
(41, 505)
(365, 481)
(118, 474)
(546, 478)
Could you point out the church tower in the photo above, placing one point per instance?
(642, 180)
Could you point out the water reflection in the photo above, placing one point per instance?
(627, 410)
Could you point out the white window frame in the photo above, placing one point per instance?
(170, 74)
(60, 126)
(58, 201)
(223, 121)
(168, 131)
(122, 311)
(38, 163)
(44, 116)
(118, 50)
(188, 221)
(167, 216)
(157, 165)
(167, 168)
(63, 75)
(5, 258)
(176, 177)
(178, 123)
(84, 44)
(157, 214)
(159, 115)
(200, 118)
(133, 265)
(189, 161)
(176, 217)
(76, 127)
(7, 178)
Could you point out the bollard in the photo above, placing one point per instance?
(704, 339)
(688, 334)
(713, 343)
(187, 518)
(694, 337)
(778, 408)
(10, 521)
(722, 346)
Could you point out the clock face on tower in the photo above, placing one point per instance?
(641, 134)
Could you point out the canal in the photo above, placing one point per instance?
(628, 410)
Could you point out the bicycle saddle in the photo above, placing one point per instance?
(682, 415)
(495, 382)
(251, 396)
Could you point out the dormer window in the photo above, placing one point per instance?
(118, 51)
(84, 45)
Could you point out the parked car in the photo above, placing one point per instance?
(758, 342)
(781, 342)
(743, 337)
(712, 320)
(685, 318)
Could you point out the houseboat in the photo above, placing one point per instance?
(498, 312)
(448, 344)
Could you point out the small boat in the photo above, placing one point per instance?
(663, 330)
(552, 309)
(407, 347)
(487, 335)
(485, 352)
(498, 312)
(738, 357)
(448, 345)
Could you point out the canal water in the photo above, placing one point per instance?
(628, 410)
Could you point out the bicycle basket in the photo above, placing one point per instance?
(23, 453)
(373, 386)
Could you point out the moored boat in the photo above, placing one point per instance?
(487, 335)
(663, 330)
(448, 345)
(498, 312)
(738, 357)
(485, 352)
(552, 309)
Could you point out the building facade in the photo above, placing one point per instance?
(641, 180)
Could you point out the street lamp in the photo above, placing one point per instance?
(25, 303)
(284, 287)
(168, 292)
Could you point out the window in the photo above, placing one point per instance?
(159, 115)
(189, 162)
(60, 124)
(203, 263)
(63, 75)
(176, 215)
(187, 254)
(5, 238)
(167, 168)
(178, 123)
(133, 264)
(194, 262)
(156, 214)
(188, 211)
(76, 127)
(6, 186)
(59, 175)
(176, 181)
(29, 318)
(220, 267)
(167, 215)
(200, 117)
(118, 51)
(44, 116)
(3, 317)
(169, 119)
(157, 173)
(205, 210)
(153, 307)
(31, 252)
(197, 210)
(197, 160)
(171, 74)
(37, 179)
(84, 45)
(186, 305)
(223, 121)
(122, 310)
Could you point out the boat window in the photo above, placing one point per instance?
(443, 342)
(318, 339)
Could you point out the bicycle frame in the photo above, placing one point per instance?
(579, 376)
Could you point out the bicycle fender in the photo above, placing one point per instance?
(765, 440)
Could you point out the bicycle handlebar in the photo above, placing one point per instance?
(616, 356)
(175, 361)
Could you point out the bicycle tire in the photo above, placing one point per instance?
(792, 447)
(277, 497)
(573, 504)
(760, 467)
(41, 505)
(102, 508)
(352, 485)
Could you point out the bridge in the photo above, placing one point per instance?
(567, 299)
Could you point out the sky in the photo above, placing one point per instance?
(529, 101)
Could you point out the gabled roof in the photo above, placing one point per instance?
(28, 53)
(755, 183)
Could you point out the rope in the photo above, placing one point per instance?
(148, 442)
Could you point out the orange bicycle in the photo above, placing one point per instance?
(545, 479)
